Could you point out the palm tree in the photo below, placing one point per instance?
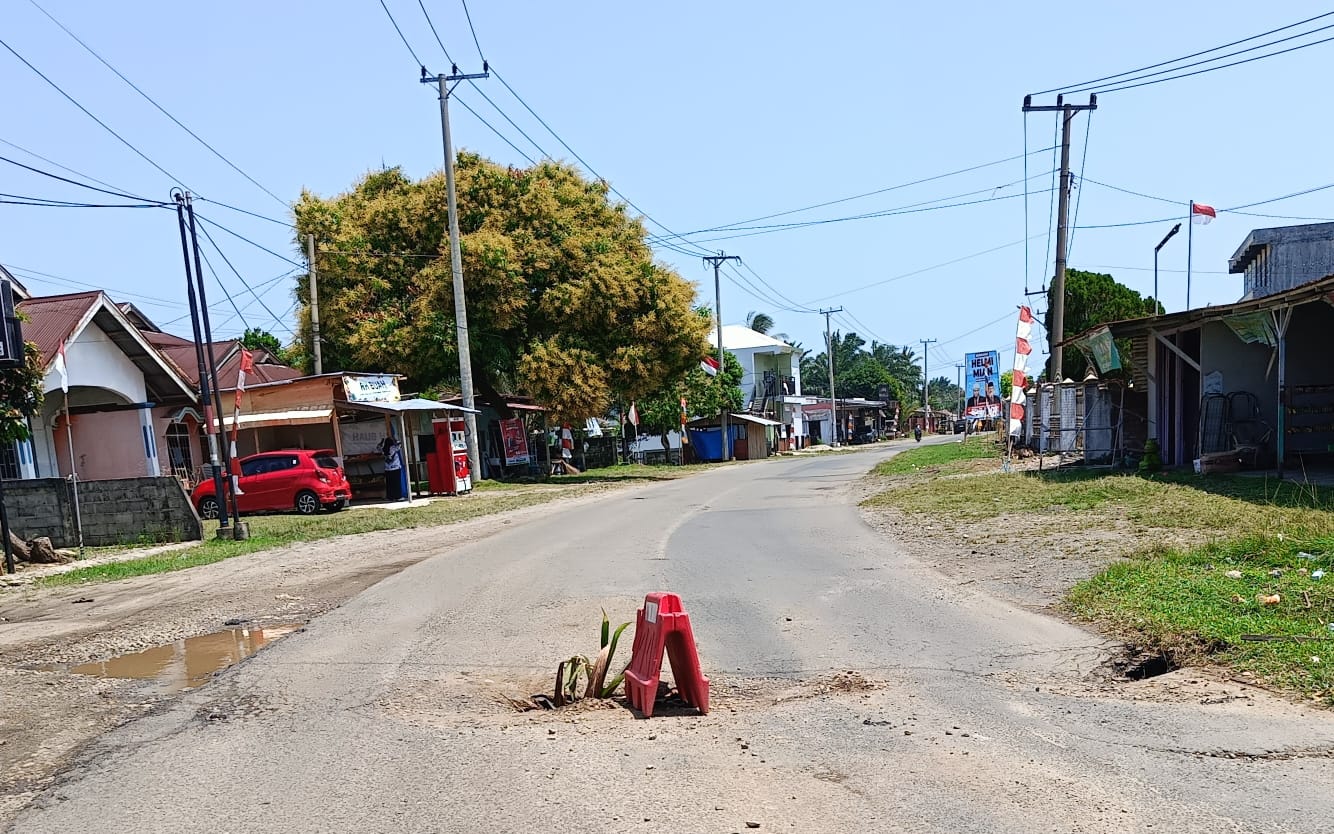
(759, 322)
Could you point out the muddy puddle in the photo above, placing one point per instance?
(187, 663)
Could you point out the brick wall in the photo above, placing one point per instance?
(122, 511)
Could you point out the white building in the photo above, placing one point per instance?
(770, 376)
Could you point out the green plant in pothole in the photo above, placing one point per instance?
(593, 674)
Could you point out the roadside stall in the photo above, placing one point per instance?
(362, 417)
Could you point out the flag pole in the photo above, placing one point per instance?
(1190, 239)
(73, 474)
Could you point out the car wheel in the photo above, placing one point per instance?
(307, 502)
(208, 507)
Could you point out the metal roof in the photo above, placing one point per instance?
(401, 406)
(1312, 291)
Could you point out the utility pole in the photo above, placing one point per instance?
(456, 262)
(211, 426)
(926, 376)
(958, 368)
(717, 261)
(829, 354)
(1057, 333)
(314, 305)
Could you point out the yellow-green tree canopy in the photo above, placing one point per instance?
(565, 301)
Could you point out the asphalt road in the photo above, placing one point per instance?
(854, 689)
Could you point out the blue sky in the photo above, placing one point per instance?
(702, 114)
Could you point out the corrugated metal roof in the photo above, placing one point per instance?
(52, 319)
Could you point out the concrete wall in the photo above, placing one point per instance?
(1287, 257)
(119, 511)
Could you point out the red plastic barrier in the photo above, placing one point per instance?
(663, 624)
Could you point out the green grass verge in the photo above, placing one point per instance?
(921, 458)
(1181, 601)
(270, 531)
(1186, 604)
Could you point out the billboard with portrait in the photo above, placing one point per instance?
(982, 386)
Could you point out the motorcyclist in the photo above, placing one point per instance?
(917, 433)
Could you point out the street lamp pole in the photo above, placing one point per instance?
(1156, 249)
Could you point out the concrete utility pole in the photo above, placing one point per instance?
(1057, 333)
(829, 354)
(717, 261)
(958, 368)
(926, 376)
(314, 305)
(456, 262)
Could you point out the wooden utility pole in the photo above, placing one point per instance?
(314, 306)
(1057, 332)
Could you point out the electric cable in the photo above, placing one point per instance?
(1185, 57)
(154, 102)
(90, 115)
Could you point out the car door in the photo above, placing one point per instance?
(251, 498)
(283, 482)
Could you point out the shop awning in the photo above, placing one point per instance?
(403, 406)
(293, 417)
(759, 421)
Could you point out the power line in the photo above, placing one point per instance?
(65, 168)
(43, 202)
(89, 114)
(467, 14)
(1219, 67)
(878, 191)
(153, 102)
(431, 24)
(40, 172)
(223, 287)
(215, 224)
(922, 270)
(411, 51)
(242, 279)
(904, 209)
(1079, 197)
(776, 291)
(503, 138)
(1229, 210)
(1081, 84)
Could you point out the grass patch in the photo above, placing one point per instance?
(1176, 599)
(939, 456)
(1187, 604)
(270, 531)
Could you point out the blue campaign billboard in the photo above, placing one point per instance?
(982, 386)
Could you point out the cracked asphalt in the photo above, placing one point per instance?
(853, 687)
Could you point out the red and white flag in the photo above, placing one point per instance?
(634, 415)
(59, 367)
(709, 365)
(1019, 378)
(684, 418)
(247, 366)
(1201, 215)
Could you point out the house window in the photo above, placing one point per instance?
(9, 461)
(179, 441)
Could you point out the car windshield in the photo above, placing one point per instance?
(326, 461)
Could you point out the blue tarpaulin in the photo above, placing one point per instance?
(708, 443)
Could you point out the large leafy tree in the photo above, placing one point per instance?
(20, 395)
(1091, 299)
(565, 301)
(705, 396)
(258, 339)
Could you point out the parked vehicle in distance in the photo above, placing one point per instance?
(960, 426)
(304, 480)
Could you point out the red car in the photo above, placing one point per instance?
(292, 479)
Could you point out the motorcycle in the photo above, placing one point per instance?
(917, 433)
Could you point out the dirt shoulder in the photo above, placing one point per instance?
(48, 714)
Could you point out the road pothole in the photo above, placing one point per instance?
(188, 663)
(1139, 664)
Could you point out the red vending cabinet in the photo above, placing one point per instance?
(447, 466)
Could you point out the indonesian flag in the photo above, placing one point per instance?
(247, 366)
(1019, 378)
(683, 411)
(634, 415)
(709, 365)
(1201, 214)
(59, 367)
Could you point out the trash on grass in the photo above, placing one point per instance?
(1233, 574)
(1268, 599)
(1317, 574)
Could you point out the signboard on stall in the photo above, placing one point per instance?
(982, 386)
(515, 438)
(367, 388)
